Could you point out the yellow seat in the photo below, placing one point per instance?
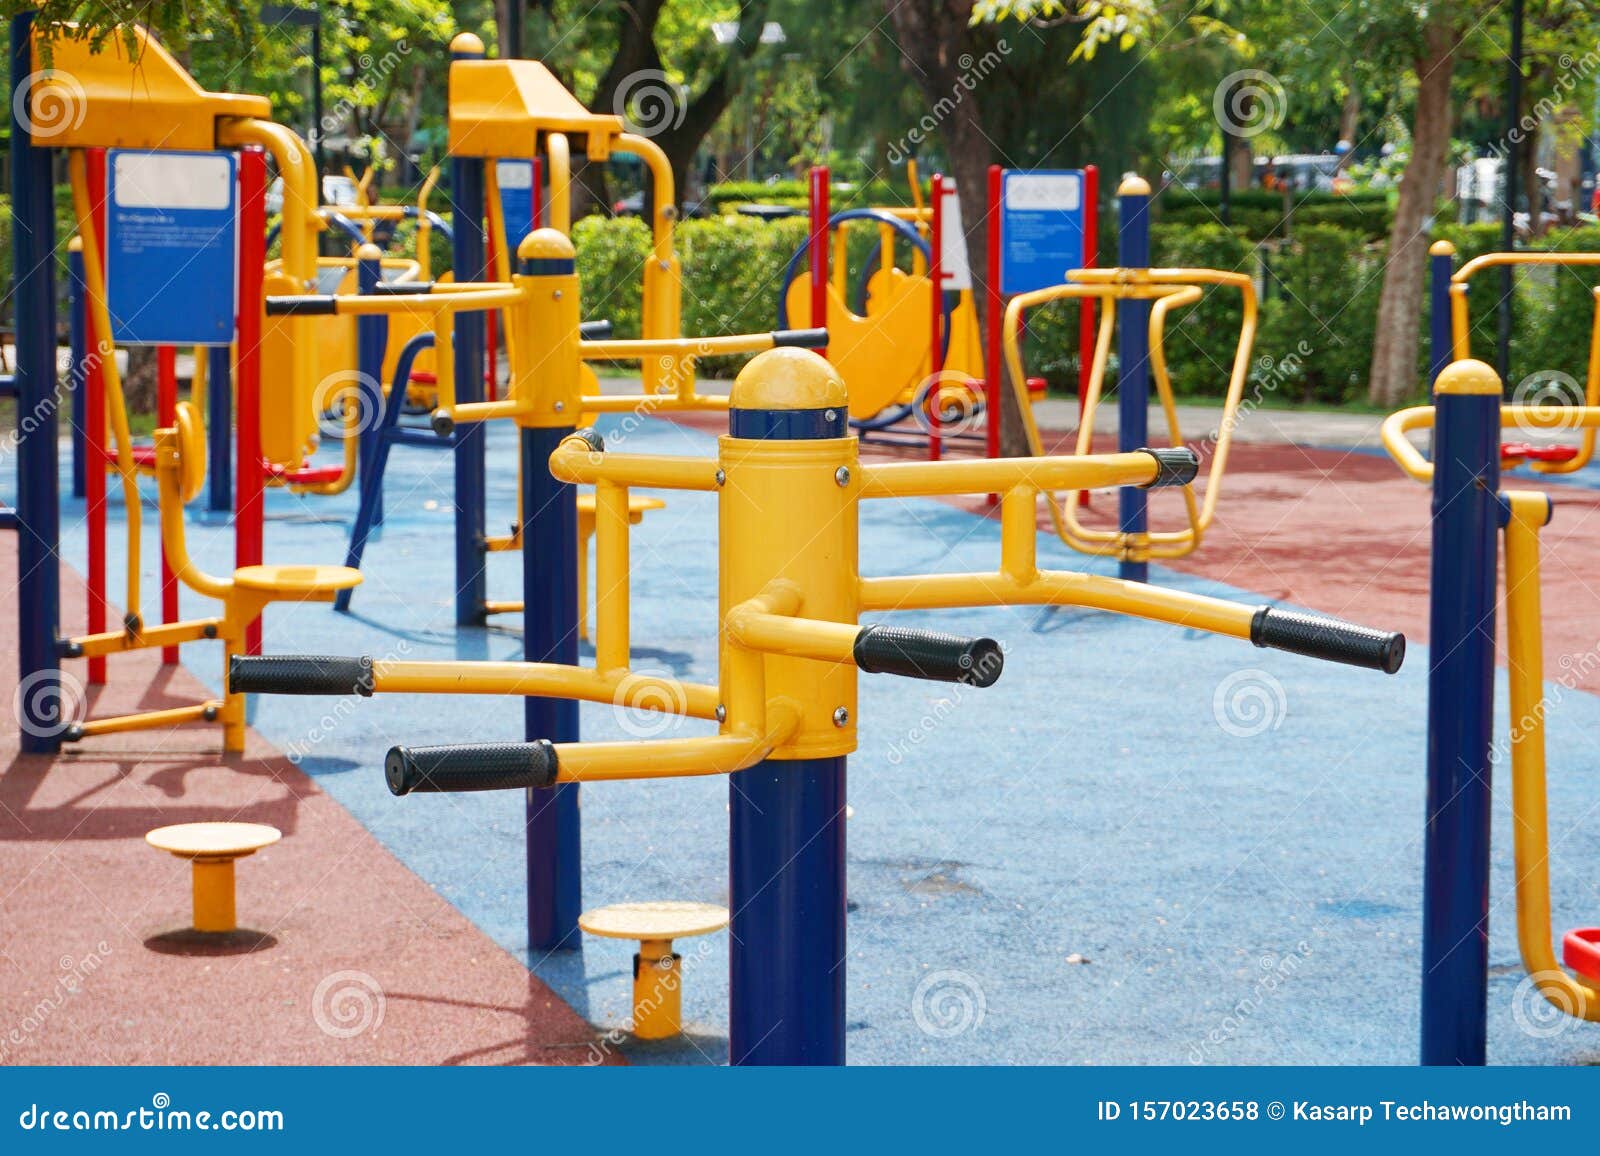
(212, 848)
(297, 581)
(657, 975)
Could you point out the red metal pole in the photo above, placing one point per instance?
(819, 248)
(249, 502)
(993, 308)
(1091, 256)
(97, 346)
(936, 280)
(166, 415)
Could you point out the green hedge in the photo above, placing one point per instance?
(1258, 213)
(1319, 319)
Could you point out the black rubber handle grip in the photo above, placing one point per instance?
(1330, 638)
(471, 767)
(299, 674)
(594, 330)
(800, 339)
(401, 288)
(1174, 467)
(928, 654)
(305, 305)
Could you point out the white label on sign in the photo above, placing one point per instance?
(514, 174)
(1044, 191)
(172, 181)
(957, 274)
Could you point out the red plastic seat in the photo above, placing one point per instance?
(144, 457)
(1580, 950)
(305, 475)
(1515, 453)
(423, 377)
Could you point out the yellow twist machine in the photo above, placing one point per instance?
(789, 483)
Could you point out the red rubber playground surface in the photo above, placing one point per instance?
(330, 908)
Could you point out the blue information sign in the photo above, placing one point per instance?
(172, 247)
(516, 199)
(1041, 228)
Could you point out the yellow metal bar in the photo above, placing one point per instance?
(676, 758)
(793, 637)
(997, 475)
(174, 541)
(115, 403)
(493, 606)
(1409, 459)
(559, 153)
(1531, 825)
(652, 402)
(213, 895)
(574, 461)
(611, 575)
(425, 226)
(300, 193)
(1591, 398)
(1522, 257)
(623, 688)
(443, 299)
(633, 350)
(483, 410)
(151, 720)
(1460, 339)
(1058, 588)
(167, 634)
(664, 194)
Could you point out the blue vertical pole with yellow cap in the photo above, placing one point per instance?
(1133, 371)
(548, 324)
(1441, 265)
(372, 334)
(1455, 901)
(788, 513)
(467, 257)
(40, 694)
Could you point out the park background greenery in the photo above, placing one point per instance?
(1127, 86)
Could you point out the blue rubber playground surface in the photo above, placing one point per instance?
(1143, 845)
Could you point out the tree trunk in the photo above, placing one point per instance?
(1241, 161)
(139, 384)
(936, 37)
(1394, 375)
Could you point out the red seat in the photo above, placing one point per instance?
(305, 475)
(144, 457)
(1515, 453)
(1581, 952)
(423, 377)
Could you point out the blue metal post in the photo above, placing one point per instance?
(77, 371)
(33, 243)
(219, 427)
(467, 246)
(1455, 903)
(1133, 360)
(550, 634)
(372, 333)
(1441, 264)
(787, 893)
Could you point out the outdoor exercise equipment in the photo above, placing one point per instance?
(789, 483)
(212, 848)
(1469, 511)
(545, 399)
(895, 363)
(150, 109)
(1450, 334)
(657, 971)
(1140, 298)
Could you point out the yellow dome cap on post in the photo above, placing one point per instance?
(546, 244)
(1469, 377)
(466, 44)
(788, 379)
